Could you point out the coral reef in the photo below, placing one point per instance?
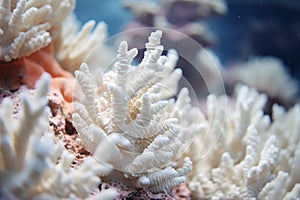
(131, 135)
(27, 70)
(32, 166)
(26, 50)
(76, 45)
(265, 70)
(184, 26)
(35, 37)
(26, 25)
(60, 123)
(259, 72)
(246, 154)
(128, 115)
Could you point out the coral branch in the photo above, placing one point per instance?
(132, 119)
(32, 166)
(251, 157)
(25, 25)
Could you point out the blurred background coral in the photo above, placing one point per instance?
(250, 27)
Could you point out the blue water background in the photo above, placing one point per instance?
(259, 28)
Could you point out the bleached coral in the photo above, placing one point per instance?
(246, 154)
(25, 25)
(32, 166)
(129, 116)
(28, 26)
(259, 72)
(184, 27)
(74, 46)
(210, 69)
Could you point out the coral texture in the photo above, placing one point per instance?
(76, 45)
(124, 192)
(245, 154)
(128, 115)
(32, 166)
(25, 25)
(41, 36)
(184, 26)
(60, 123)
(132, 129)
(26, 51)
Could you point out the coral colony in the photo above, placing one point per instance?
(130, 135)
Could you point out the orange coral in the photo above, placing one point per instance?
(27, 70)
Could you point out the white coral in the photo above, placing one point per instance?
(32, 166)
(25, 25)
(128, 115)
(250, 156)
(259, 72)
(74, 46)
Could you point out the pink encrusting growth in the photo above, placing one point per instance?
(28, 69)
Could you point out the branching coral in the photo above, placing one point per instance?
(131, 122)
(250, 156)
(258, 72)
(32, 166)
(184, 26)
(25, 25)
(35, 37)
(128, 115)
(74, 46)
(26, 51)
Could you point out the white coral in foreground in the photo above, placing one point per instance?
(128, 122)
(246, 155)
(32, 166)
(25, 25)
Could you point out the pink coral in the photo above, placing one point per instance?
(28, 69)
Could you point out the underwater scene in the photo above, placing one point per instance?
(149, 99)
